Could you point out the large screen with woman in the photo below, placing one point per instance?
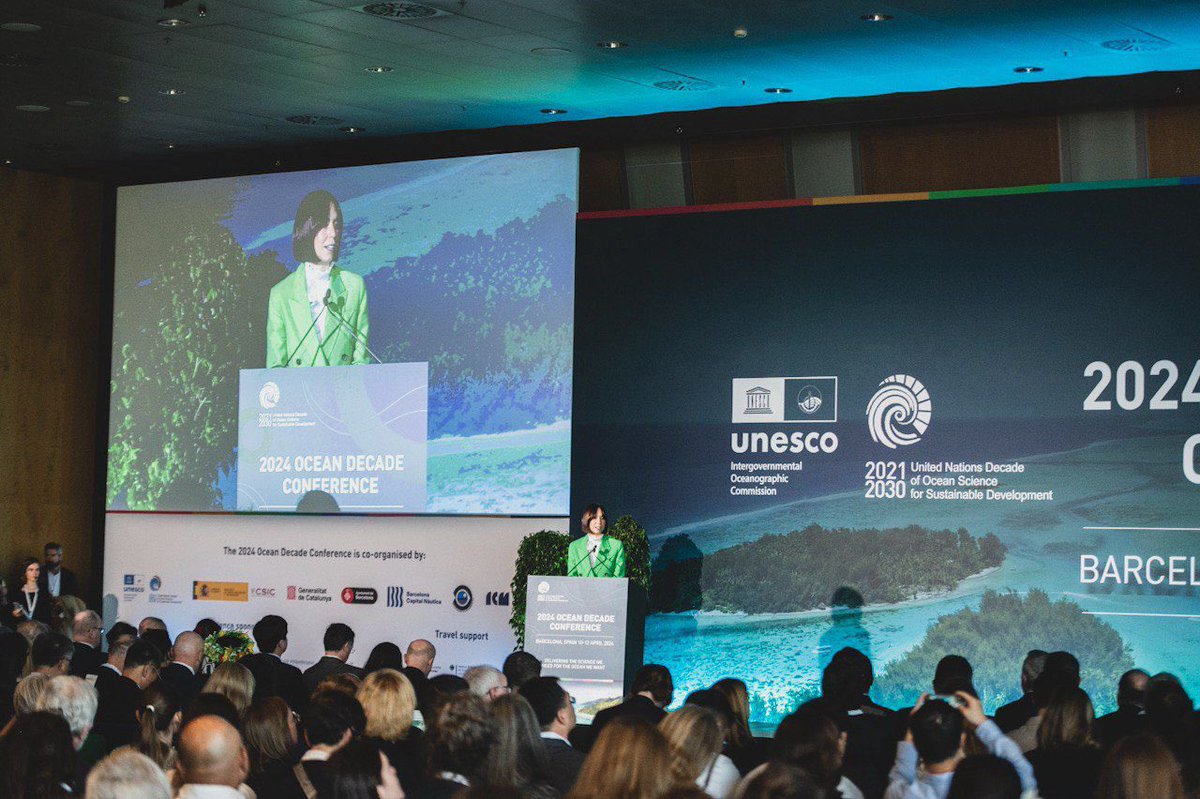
(389, 338)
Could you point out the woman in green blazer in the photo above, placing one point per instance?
(595, 554)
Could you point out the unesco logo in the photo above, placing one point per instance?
(898, 415)
(268, 397)
(463, 597)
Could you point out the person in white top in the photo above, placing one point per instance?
(696, 736)
(212, 760)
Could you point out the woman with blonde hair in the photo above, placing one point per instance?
(696, 736)
(1067, 760)
(234, 682)
(389, 702)
(630, 760)
(745, 752)
(1140, 766)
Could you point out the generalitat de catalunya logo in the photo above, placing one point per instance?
(268, 396)
(898, 414)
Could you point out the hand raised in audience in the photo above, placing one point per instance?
(971, 708)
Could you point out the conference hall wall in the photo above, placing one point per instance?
(341, 395)
(961, 423)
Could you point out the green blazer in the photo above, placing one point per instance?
(288, 316)
(610, 559)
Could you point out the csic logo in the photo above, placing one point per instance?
(155, 583)
(268, 397)
(359, 596)
(263, 592)
(898, 414)
(291, 592)
(498, 598)
(463, 597)
(395, 596)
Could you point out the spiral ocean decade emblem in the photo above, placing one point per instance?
(899, 412)
(268, 397)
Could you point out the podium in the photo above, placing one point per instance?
(587, 631)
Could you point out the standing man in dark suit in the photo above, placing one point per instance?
(273, 677)
(556, 715)
(1013, 715)
(339, 643)
(86, 629)
(121, 697)
(183, 672)
(56, 579)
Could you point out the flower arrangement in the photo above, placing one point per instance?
(227, 646)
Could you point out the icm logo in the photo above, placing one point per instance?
(498, 598)
(463, 597)
(543, 587)
(291, 592)
(268, 397)
(359, 596)
(155, 583)
(898, 414)
(395, 596)
(810, 400)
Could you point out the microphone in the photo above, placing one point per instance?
(355, 333)
(586, 556)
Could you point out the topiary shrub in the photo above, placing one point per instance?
(637, 550)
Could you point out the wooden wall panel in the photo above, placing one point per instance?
(944, 156)
(50, 357)
(745, 168)
(1173, 141)
(602, 183)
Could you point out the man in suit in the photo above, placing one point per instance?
(182, 674)
(121, 696)
(871, 730)
(1130, 715)
(651, 693)
(56, 579)
(595, 554)
(1013, 715)
(51, 654)
(86, 629)
(556, 715)
(273, 677)
(339, 643)
(420, 655)
(317, 316)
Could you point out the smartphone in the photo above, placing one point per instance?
(949, 699)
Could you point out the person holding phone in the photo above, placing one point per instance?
(29, 601)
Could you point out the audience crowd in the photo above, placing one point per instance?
(132, 713)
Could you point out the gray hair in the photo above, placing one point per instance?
(1031, 669)
(85, 621)
(74, 699)
(483, 679)
(127, 774)
(28, 693)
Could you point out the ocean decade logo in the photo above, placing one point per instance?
(268, 397)
(898, 414)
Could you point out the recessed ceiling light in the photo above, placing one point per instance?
(21, 27)
(377, 70)
(172, 92)
(351, 129)
(875, 17)
(611, 45)
(1027, 70)
(79, 103)
(123, 98)
(8, 162)
(740, 33)
(32, 108)
(172, 22)
(777, 90)
(170, 146)
(554, 111)
(550, 51)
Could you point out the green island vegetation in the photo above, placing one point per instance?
(802, 569)
(996, 637)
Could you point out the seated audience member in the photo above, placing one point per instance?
(696, 736)
(630, 759)
(385, 655)
(420, 655)
(388, 700)
(987, 777)
(74, 700)
(212, 760)
(14, 650)
(1011, 716)
(121, 697)
(158, 722)
(360, 771)
(555, 713)
(1066, 761)
(37, 758)
(233, 681)
(206, 627)
(151, 623)
(746, 752)
(183, 672)
(331, 721)
(127, 774)
(871, 729)
(1128, 718)
(1140, 766)
(339, 643)
(273, 677)
(651, 691)
(517, 758)
(1171, 716)
(487, 682)
(271, 737)
(28, 693)
(936, 736)
(212, 705)
(86, 630)
(775, 780)
(461, 732)
(51, 655)
(1059, 672)
(813, 738)
(519, 668)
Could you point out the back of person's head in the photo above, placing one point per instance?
(343, 683)
(330, 716)
(1031, 667)
(233, 681)
(460, 735)
(1168, 705)
(142, 653)
(385, 655)
(1131, 690)
(211, 753)
(937, 731)
(779, 781)
(655, 680)
(159, 714)
(951, 674)
(388, 699)
(1066, 721)
(14, 650)
(854, 669)
(37, 756)
(206, 627)
(717, 703)
(269, 632)
(206, 704)
(127, 774)
(695, 735)
(356, 772)
(1059, 672)
(120, 630)
(738, 697)
(159, 638)
(547, 698)
(28, 693)
(420, 654)
(441, 687)
(268, 731)
(810, 739)
(485, 681)
(985, 777)
(51, 649)
(1140, 766)
(32, 629)
(337, 635)
(85, 622)
(520, 667)
(630, 759)
(517, 755)
(151, 623)
(73, 699)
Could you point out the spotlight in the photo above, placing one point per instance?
(1027, 70)
(172, 22)
(777, 90)
(875, 17)
(611, 45)
(554, 111)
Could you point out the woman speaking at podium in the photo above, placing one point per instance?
(595, 554)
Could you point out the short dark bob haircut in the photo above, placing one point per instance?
(311, 216)
(591, 512)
